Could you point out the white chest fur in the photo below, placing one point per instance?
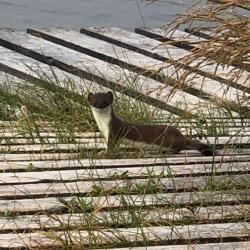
(103, 118)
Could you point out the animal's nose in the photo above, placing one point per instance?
(98, 105)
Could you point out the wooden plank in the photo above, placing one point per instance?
(10, 159)
(99, 143)
(131, 235)
(37, 157)
(219, 36)
(81, 42)
(207, 246)
(20, 191)
(21, 135)
(52, 204)
(102, 170)
(184, 39)
(40, 148)
(181, 122)
(40, 70)
(179, 38)
(240, 138)
(146, 45)
(104, 73)
(18, 135)
(120, 217)
(105, 51)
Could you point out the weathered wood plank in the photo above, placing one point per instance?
(179, 37)
(87, 144)
(18, 135)
(207, 246)
(132, 235)
(181, 122)
(20, 191)
(210, 34)
(103, 72)
(9, 159)
(121, 169)
(105, 51)
(82, 42)
(19, 140)
(45, 72)
(38, 157)
(52, 205)
(121, 217)
(192, 38)
(79, 144)
(22, 136)
(140, 43)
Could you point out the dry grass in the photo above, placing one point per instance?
(88, 223)
(230, 35)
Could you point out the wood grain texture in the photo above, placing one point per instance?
(107, 169)
(53, 205)
(103, 236)
(121, 217)
(121, 78)
(209, 246)
(140, 43)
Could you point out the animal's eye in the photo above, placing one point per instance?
(95, 103)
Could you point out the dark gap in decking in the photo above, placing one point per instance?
(145, 72)
(161, 58)
(88, 76)
(195, 32)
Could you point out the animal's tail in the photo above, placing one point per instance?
(203, 148)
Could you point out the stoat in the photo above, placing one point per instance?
(114, 129)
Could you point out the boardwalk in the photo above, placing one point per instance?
(52, 194)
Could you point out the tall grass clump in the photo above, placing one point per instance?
(225, 33)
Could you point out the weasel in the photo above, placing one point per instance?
(114, 129)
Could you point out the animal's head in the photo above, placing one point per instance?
(100, 100)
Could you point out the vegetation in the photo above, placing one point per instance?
(97, 209)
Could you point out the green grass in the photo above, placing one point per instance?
(65, 113)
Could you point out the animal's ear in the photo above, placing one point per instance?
(110, 96)
(90, 96)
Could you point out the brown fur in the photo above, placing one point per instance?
(162, 135)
